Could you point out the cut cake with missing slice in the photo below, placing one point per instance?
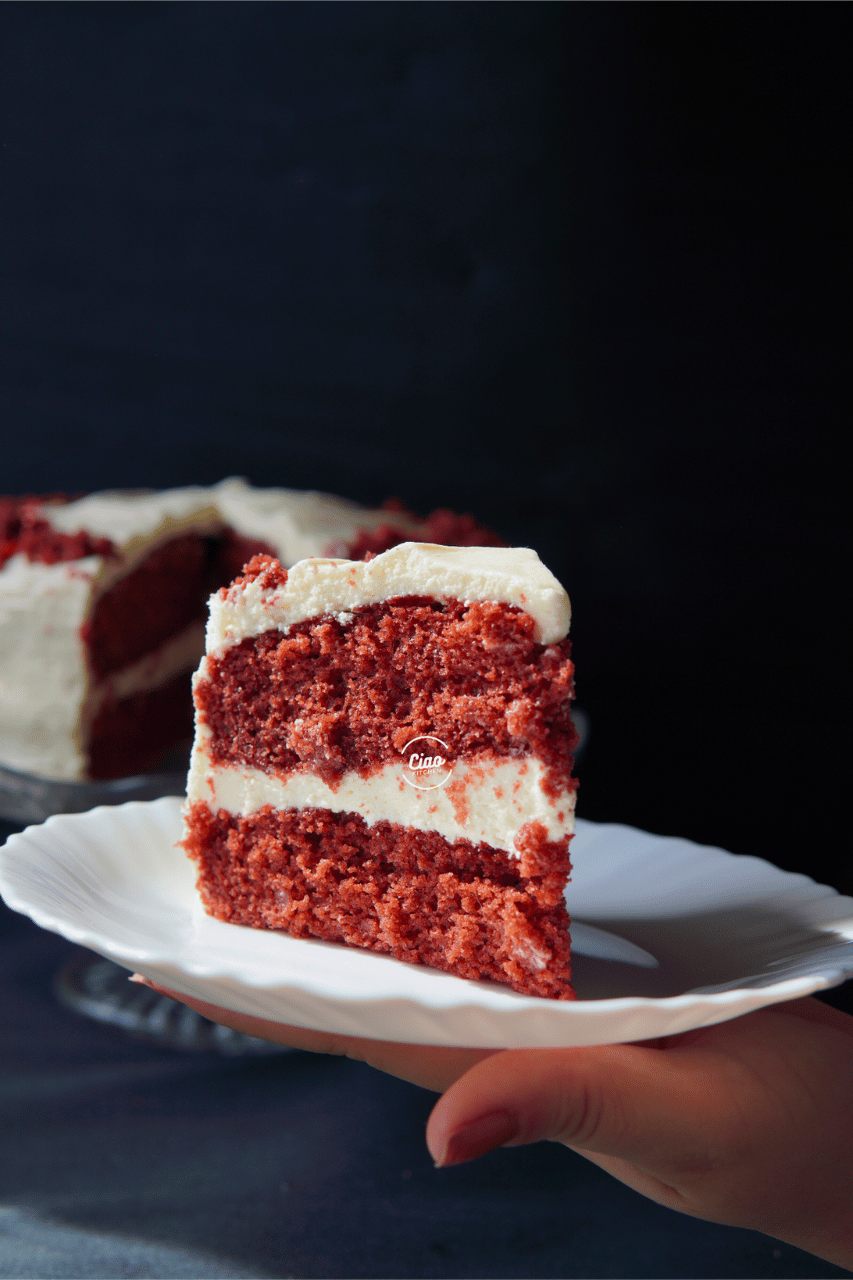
(383, 759)
(102, 607)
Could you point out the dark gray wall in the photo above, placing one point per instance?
(571, 267)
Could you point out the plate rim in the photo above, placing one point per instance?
(512, 1006)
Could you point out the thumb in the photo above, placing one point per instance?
(627, 1107)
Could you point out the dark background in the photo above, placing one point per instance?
(570, 267)
(575, 268)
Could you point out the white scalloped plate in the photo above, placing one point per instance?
(729, 934)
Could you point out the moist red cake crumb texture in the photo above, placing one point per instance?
(261, 568)
(331, 698)
(327, 698)
(471, 911)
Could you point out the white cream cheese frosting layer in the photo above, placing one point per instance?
(486, 800)
(509, 575)
(48, 695)
(43, 675)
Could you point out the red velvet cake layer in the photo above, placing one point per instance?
(128, 736)
(159, 599)
(332, 697)
(470, 910)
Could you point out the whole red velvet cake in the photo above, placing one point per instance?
(383, 759)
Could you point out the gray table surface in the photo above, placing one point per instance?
(118, 1158)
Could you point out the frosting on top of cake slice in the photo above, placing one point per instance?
(316, 587)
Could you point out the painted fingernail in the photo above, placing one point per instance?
(477, 1137)
(137, 977)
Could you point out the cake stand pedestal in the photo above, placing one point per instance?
(99, 989)
(87, 983)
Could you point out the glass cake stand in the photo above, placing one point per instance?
(98, 988)
(87, 983)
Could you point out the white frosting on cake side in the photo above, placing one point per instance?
(508, 575)
(48, 696)
(43, 676)
(486, 800)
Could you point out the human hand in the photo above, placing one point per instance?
(748, 1123)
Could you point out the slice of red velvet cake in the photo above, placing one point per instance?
(383, 759)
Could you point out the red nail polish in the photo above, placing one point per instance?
(477, 1137)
